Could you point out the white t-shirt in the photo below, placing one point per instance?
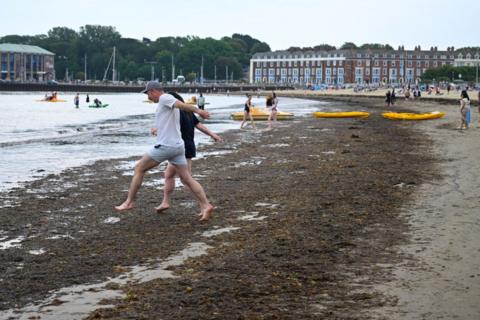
(201, 101)
(167, 122)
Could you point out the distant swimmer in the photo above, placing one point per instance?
(97, 102)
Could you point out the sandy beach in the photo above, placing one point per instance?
(316, 219)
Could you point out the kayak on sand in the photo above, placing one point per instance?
(350, 114)
(413, 116)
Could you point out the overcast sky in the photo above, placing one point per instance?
(280, 23)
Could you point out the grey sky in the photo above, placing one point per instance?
(280, 23)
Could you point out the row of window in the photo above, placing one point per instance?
(298, 63)
(393, 72)
(301, 56)
(328, 80)
(31, 62)
(376, 55)
(393, 63)
(408, 56)
(306, 71)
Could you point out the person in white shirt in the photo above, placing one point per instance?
(169, 146)
(201, 101)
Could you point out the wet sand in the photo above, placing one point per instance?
(312, 221)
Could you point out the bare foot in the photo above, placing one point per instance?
(206, 213)
(124, 206)
(162, 208)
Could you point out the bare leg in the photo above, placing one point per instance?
(169, 175)
(145, 164)
(244, 119)
(197, 191)
(251, 120)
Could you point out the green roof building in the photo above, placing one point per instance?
(19, 62)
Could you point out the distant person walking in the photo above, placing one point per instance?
(76, 101)
(393, 98)
(188, 123)
(272, 104)
(388, 99)
(247, 112)
(169, 146)
(88, 99)
(201, 101)
(464, 109)
(478, 97)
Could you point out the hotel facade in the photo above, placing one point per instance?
(357, 66)
(25, 63)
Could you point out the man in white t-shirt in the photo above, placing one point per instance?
(169, 146)
(201, 101)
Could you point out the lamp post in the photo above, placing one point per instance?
(152, 69)
(85, 68)
(476, 75)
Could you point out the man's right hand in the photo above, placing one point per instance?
(204, 114)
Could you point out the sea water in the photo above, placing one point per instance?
(38, 138)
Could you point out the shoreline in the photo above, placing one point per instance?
(320, 211)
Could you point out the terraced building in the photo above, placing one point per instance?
(338, 67)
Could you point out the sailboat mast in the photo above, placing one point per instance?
(114, 71)
(85, 71)
(201, 72)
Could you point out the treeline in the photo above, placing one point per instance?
(134, 58)
(448, 73)
(366, 46)
(345, 46)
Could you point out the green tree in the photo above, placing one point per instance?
(348, 46)
(96, 42)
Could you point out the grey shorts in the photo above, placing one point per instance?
(174, 155)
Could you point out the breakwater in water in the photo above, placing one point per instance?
(67, 87)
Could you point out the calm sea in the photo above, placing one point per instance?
(39, 138)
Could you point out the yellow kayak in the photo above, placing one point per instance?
(52, 100)
(351, 114)
(413, 116)
(192, 100)
(262, 114)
